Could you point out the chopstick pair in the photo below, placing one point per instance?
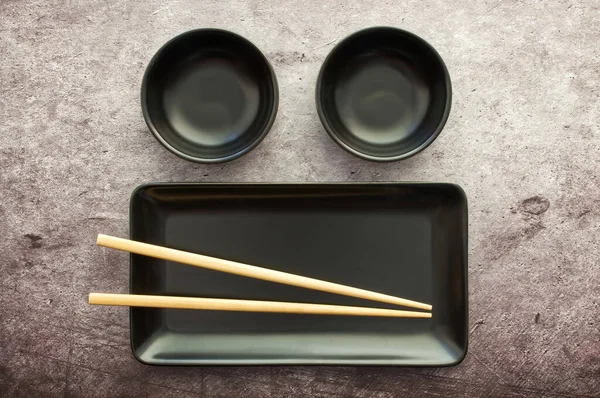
(251, 271)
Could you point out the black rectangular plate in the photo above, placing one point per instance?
(407, 240)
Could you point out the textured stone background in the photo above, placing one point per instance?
(523, 140)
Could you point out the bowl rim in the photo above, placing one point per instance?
(331, 132)
(274, 105)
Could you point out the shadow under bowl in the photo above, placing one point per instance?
(383, 94)
(209, 96)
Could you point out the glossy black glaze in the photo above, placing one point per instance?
(209, 96)
(408, 240)
(383, 94)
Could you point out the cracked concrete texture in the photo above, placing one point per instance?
(523, 140)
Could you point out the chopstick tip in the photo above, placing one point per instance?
(105, 240)
(420, 306)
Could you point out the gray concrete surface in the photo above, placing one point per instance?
(523, 140)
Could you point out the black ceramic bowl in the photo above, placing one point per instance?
(209, 96)
(383, 94)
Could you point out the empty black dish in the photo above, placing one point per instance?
(407, 240)
(383, 94)
(209, 95)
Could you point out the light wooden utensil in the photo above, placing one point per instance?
(250, 271)
(198, 303)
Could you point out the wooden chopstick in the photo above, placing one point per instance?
(199, 303)
(250, 271)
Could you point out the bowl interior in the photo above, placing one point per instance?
(383, 94)
(209, 95)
